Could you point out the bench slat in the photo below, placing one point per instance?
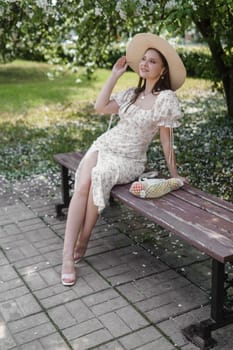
(192, 213)
(205, 204)
(220, 248)
(69, 160)
(210, 198)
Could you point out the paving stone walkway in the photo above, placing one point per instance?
(137, 287)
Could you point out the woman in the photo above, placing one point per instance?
(119, 155)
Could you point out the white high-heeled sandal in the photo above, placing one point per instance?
(68, 279)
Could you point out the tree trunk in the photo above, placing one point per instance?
(219, 57)
(228, 89)
(226, 74)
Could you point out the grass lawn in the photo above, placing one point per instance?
(44, 111)
(26, 86)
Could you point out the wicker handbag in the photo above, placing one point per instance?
(154, 188)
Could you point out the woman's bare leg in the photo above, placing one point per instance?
(77, 213)
(75, 217)
(89, 223)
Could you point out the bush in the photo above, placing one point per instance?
(199, 63)
(110, 55)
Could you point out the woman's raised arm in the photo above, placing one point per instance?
(103, 102)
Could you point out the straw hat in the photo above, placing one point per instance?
(142, 42)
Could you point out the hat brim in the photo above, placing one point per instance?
(142, 42)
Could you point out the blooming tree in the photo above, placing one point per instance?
(82, 32)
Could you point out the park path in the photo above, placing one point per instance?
(131, 293)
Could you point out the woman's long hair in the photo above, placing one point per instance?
(163, 83)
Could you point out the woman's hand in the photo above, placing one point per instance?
(183, 179)
(104, 103)
(120, 67)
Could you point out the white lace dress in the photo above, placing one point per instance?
(122, 149)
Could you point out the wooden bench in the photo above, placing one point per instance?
(196, 217)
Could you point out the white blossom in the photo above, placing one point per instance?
(194, 6)
(170, 4)
(143, 2)
(7, 1)
(119, 5)
(122, 14)
(98, 11)
(42, 3)
(50, 76)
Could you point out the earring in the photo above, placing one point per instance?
(162, 77)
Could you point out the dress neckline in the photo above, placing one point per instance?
(142, 109)
(146, 109)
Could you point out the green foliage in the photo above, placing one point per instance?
(28, 149)
(84, 33)
(46, 27)
(111, 54)
(80, 33)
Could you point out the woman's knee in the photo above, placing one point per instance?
(90, 160)
(87, 164)
(84, 171)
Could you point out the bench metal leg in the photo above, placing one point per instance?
(218, 295)
(200, 334)
(65, 189)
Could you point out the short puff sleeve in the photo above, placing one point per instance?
(167, 109)
(123, 96)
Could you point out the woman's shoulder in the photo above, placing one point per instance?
(167, 94)
(166, 97)
(167, 108)
(130, 91)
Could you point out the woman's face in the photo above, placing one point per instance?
(151, 65)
